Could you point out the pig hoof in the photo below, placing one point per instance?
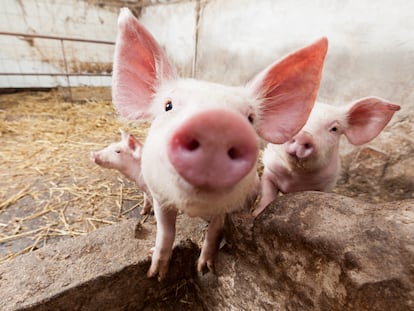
(158, 269)
(205, 266)
(146, 210)
(258, 211)
(151, 251)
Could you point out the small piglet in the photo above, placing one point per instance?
(310, 160)
(202, 146)
(125, 156)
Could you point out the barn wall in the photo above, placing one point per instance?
(371, 48)
(371, 45)
(58, 18)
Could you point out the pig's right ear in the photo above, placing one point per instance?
(286, 92)
(367, 117)
(140, 66)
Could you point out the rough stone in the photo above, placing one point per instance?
(307, 251)
(105, 270)
(318, 251)
(383, 170)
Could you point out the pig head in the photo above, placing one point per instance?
(125, 156)
(310, 160)
(202, 146)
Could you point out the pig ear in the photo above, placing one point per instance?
(140, 66)
(367, 117)
(286, 92)
(124, 135)
(133, 142)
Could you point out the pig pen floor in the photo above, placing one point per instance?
(49, 188)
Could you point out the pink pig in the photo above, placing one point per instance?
(310, 160)
(201, 151)
(125, 156)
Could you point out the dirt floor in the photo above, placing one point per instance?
(49, 187)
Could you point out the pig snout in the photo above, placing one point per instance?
(301, 146)
(213, 149)
(95, 157)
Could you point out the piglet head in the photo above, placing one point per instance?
(316, 146)
(124, 155)
(203, 141)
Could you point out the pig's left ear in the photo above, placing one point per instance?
(140, 66)
(286, 92)
(366, 119)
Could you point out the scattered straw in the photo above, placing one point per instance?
(49, 188)
(18, 236)
(14, 198)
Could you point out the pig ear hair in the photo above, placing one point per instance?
(140, 66)
(287, 91)
(367, 117)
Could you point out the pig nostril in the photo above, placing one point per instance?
(233, 153)
(307, 146)
(192, 145)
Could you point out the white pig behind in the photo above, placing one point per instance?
(125, 157)
(311, 160)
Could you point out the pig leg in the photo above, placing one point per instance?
(211, 244)
(166, 218)
(269, 193)
(146, 208)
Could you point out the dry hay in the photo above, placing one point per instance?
(49, 188)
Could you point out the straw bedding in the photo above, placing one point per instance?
(49, 188)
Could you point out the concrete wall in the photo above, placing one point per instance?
(371, 48)
(68, 19)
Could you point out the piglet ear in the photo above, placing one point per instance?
(133, 143)
(124, 135)
(140, 66)
(367, 117)
(286, 92)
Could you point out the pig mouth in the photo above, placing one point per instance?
(301, 164)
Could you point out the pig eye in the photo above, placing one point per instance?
(118, 151)
(250, 118)
(334, 129)
(168, 105)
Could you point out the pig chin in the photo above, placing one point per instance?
(306, 165)
(204, 201)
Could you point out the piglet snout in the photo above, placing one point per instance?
(301, 146)
(213, 149)
(95, 157)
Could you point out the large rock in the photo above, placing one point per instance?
(105, 270)
(307, 251)
(382, 170)
(318, 251)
